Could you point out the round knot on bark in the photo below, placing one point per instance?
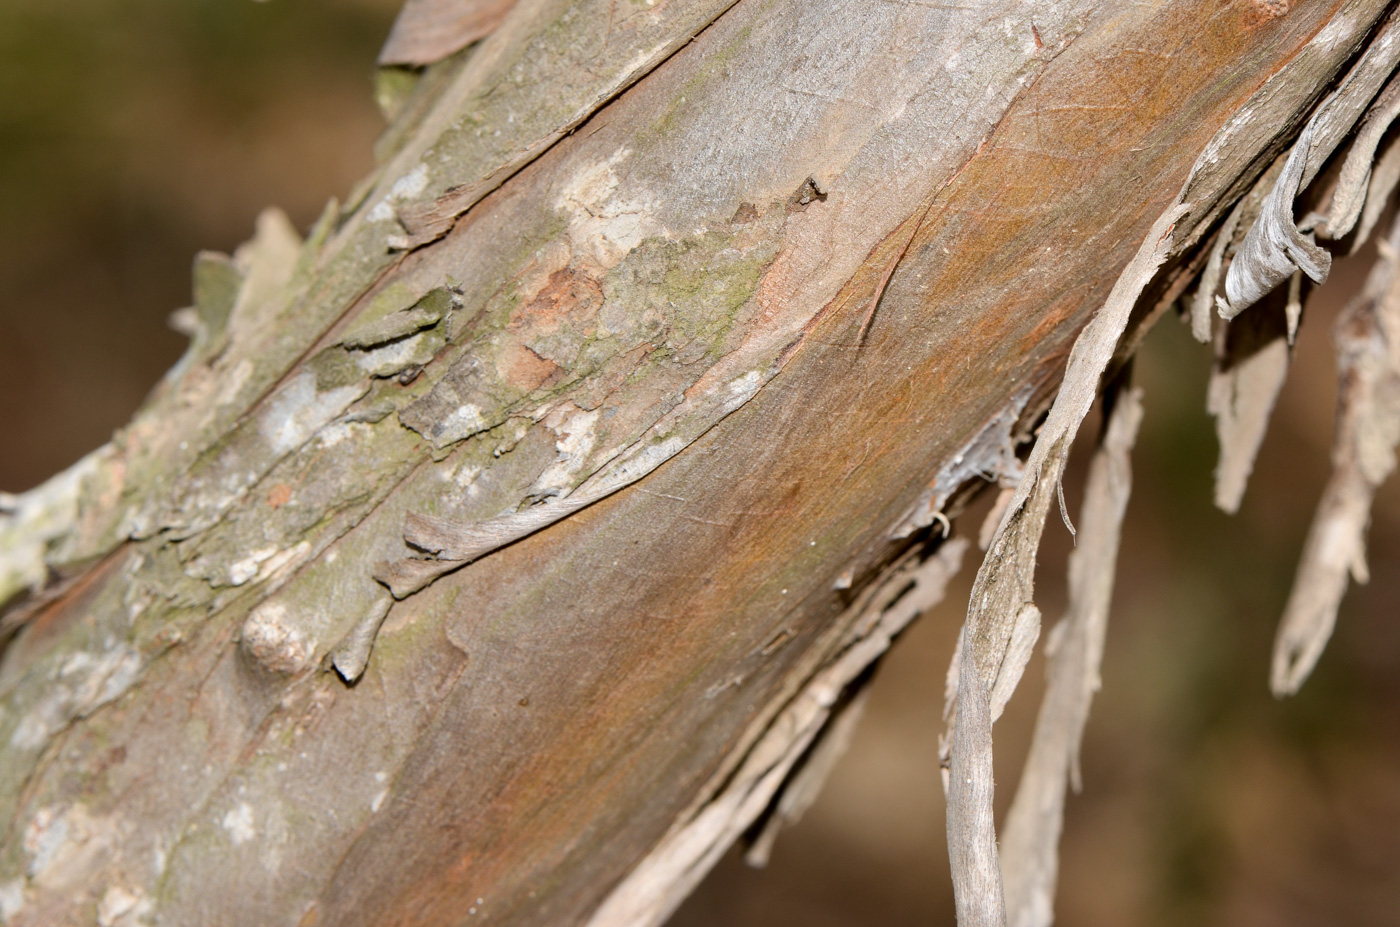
(272, 641)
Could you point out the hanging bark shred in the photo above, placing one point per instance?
(1203, 300)
(1029, 846)
(1272, 251)
(429, 30)
(1001, 594)
(1385, 175)
(1367, 340)
(972, 846)
(1251, 363)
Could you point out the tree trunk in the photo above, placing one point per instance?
(500, 552)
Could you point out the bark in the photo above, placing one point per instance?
(499, 551)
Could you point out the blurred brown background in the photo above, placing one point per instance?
(133, 134)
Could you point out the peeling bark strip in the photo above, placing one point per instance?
(639, 253)
(430, 30)
(997, 626)
(972, 849)
(1030, 843)
(1001, 612)
(1367, 338)
(1274, 249)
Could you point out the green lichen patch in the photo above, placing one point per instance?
(217, 282)
(379, 325)
(392, 88)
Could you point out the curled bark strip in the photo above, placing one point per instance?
(453, 544)
(1273, 248)
(1355, 179)
(1029, 846)
(1363, 455)
(351, 655)
(430, 30)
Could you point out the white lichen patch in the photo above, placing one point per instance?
(575, 437)
(121, 906)
(406, 187)
(266, 562)
(603, 226)
(332, 435)
(276, 837)
(66, 846)
(240, 571)
(238, 823)
(466, 420)
(31, 522)
(82, 683)
(45, 834)
(298, 411)
(234, 382)
(741, 389)
(275, 641)
(11, 899)
(465, 477)
(636, 465)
